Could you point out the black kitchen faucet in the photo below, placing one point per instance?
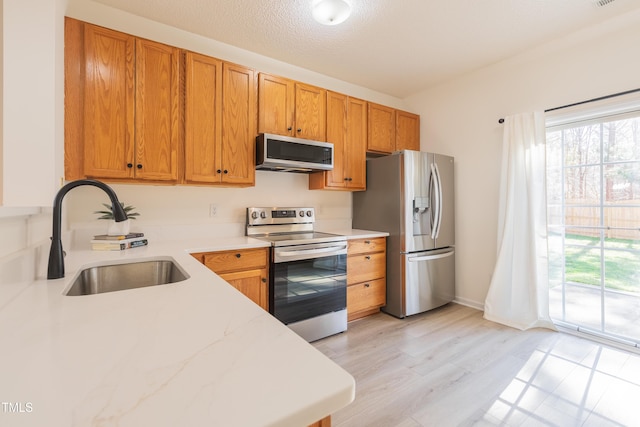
(56, 254)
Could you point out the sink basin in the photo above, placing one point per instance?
(119, 277)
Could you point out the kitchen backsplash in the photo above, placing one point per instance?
(174, 212)
(25, 248)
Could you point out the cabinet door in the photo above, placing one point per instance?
(275, 105)
(157, 102)
(109, 93)
(252, 283)
(407, 131)
(382, 129)
(203, 118)
(311, 112)
(366, 296)
(337, 135)
(238, 125)
(356, 148)
(361, 268)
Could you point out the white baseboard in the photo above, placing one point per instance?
(469, 303)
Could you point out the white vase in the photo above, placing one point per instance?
(119, 228)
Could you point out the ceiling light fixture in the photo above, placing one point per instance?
(331, 12)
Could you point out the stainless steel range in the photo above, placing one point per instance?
(308, 271)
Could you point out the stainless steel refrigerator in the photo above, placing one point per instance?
(410, 195)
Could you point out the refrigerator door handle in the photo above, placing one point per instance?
(433, 185)
(430, 257)
(437, 211)
(439, 199)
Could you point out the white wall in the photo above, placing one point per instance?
(460, 118)
(31, 63)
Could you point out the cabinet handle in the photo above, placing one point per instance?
(368, 257)
(367, 242)
(350, 179)
(219, 171)
(366, 285)
(139, 166)
(226, 171)
(129, 165)
(238, 255)
(299, 130)
(264, 280)
(289, 128)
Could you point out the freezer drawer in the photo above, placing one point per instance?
(429, 280)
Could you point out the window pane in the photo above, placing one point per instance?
(554, 186)
(622, 183)
(583, 217)
(554, 150)
(627, 218)
(555, 260)
(622, 271)
(582, 145)
(621, 140)
(582, 185)
(582, 259)
(554, 215)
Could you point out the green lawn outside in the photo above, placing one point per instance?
(582, 262)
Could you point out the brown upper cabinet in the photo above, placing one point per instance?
(347, 131)
(407, 131)
(124, 121)
(220, 122)
(381, 129)
(290, 108)
(392, 130)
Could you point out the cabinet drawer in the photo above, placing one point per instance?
(366, 267)
(366, 295)
(361, 246)
(236, 260)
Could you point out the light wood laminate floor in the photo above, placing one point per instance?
(450, 367)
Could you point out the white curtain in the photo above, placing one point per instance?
(519, 292)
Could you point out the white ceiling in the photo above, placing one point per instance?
(397, 47)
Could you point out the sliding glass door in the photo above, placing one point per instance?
(593, 196)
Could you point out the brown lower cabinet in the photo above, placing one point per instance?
(325, 422)
(366, 276)
(247, 270)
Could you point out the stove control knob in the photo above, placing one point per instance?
(309, 213)
(254, 215)
(301, 214)
(263, 214)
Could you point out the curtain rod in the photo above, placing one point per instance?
(601, 98)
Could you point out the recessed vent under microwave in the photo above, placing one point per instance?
(288, 154)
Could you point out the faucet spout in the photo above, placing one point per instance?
(55, 269)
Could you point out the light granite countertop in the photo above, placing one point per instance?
(192, 353)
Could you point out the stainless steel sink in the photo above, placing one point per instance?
(119, 277)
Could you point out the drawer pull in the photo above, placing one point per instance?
(368, 257)
(367, 242)
(366, 285)
(264, 280)
(238, 255)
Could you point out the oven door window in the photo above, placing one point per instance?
(308, 288)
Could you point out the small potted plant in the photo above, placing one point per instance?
(117, 228)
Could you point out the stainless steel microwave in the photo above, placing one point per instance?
(288, 154)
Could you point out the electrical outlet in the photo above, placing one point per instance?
(213, 210)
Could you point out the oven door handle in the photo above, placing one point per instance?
(340, 249)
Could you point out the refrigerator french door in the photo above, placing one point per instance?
(410, 196)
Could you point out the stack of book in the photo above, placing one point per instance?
(105, 242)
